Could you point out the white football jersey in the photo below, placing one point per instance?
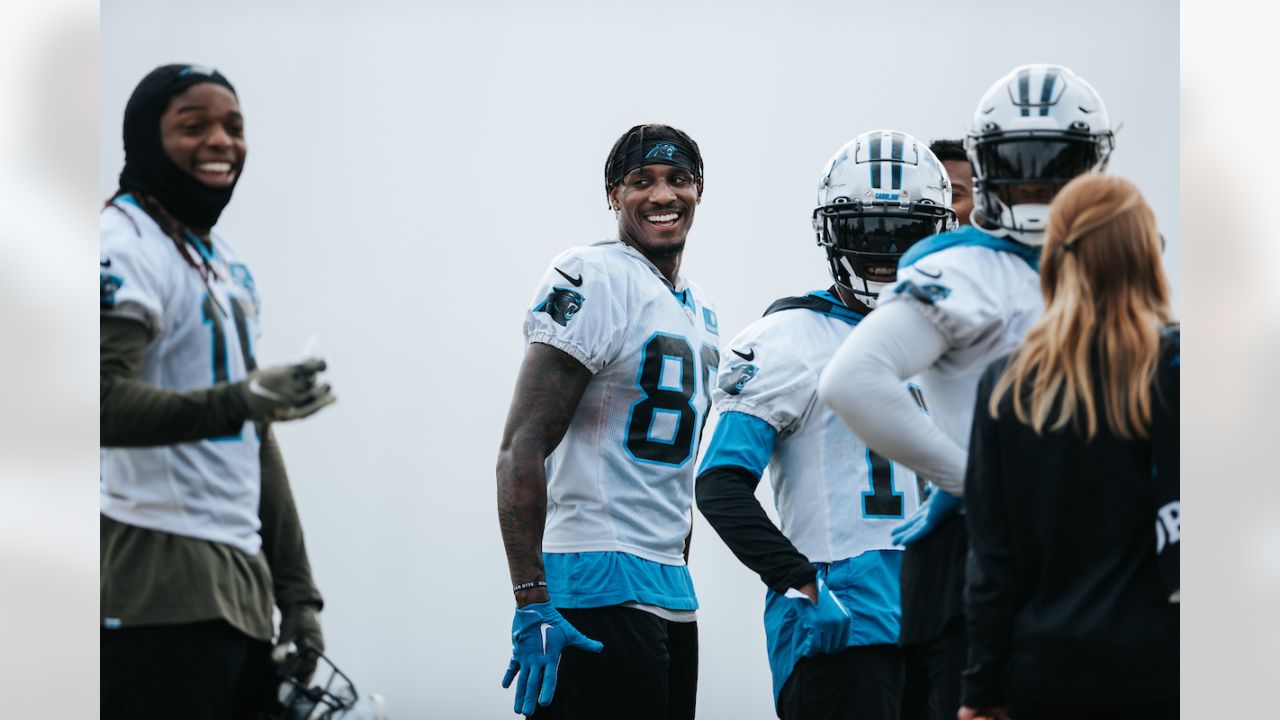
(199, 337)
(983, 301)
(622, 477)
(836, 498)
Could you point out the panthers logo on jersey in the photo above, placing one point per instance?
(562, 304)
(737, 378)
(928, 294)
(110, 284)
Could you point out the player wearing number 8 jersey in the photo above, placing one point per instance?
(832, 609)
(595, 473)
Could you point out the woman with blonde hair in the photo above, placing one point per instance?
(1072, 462)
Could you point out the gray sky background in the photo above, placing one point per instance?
(413, 169)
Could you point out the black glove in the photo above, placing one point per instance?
(286, 392)
(299, 625)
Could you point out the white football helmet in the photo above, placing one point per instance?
(879, 194)
(1035, 130)
(333, 698)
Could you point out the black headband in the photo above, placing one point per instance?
(148, 168)
(639, 152)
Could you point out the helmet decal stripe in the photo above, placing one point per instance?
(875, 161)
(1046, 92)
(895, 152)
(1024, 91)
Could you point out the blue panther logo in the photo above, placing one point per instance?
(562, 305)
(110, 284)
(664, 151)
(738, 377)
(929, 294)
(241, 276)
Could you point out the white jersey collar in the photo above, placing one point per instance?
(680, 283)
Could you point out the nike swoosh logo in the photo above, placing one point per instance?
(928, 274)
(577, 281)
(105, 263)
(748, 356)
(545, 628)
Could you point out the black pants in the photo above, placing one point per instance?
(1053, 711)
(648, 669)
(933, 675)
(196, 671)
(860, 683)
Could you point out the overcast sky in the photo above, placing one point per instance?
(413, 169)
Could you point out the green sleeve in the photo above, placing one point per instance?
(282, 540)
(135, 414)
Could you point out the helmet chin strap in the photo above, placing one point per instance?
(1017, 230)
(871, 289)
(1006, 223)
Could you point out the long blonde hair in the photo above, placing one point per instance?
(1105, 293)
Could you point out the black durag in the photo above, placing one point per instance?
(148, 168)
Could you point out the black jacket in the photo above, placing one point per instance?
(1063, 597)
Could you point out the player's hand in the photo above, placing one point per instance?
(538, 635)
(299, 625)
(826, 622)
(991, 713)
(286, 392)
(940, 506)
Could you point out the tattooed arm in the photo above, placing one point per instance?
(548, 389)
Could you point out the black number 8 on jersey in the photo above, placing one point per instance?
(663, 424)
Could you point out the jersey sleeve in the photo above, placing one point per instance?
(759, 376)
(952, 293)
(134, 282)
(578, 309)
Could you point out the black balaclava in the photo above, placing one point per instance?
(148, 168)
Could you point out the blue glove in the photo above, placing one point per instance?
(940, 506)
(538, 634)
(826, 623)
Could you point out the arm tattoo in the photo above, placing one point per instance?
(547, 393)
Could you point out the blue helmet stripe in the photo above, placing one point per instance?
(875, 161)
(1024, 91)
(1046, 91)
(895, 153)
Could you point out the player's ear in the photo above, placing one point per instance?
(699, 190)
(614, 201)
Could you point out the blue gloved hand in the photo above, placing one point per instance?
(938, 507)
(826, 623)
(538, 635)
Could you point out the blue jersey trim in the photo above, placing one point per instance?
(822, 302)
(868, 587)
(600, 579)
(838, 309)
(969, 235)
(740, 440)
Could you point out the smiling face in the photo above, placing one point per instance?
(655, 205)
(202, 131)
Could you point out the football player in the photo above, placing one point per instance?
(963, 299)
(595, 472)
(932, 636)
(831, 610)
(199, 533)
(956, 162)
